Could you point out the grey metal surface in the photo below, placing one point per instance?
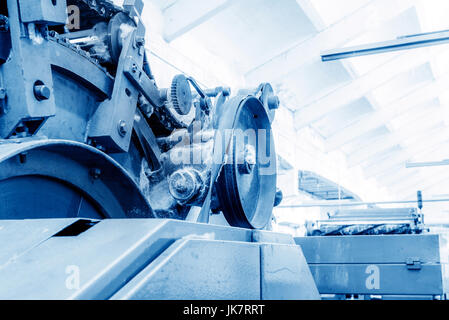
(394, 279)
(370, 249)
(412, 265)
(149, 258)
(18, 237)
(272, 237)
(107, 256)
(199, 270)
(285, 274)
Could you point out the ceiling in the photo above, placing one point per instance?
(379, 111)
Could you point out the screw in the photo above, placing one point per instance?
(95, 173)
(140, 41)
(122, 128)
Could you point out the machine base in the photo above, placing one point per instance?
(148, 259)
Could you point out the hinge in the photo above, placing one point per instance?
(413, 263)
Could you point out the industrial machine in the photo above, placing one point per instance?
(108, 182)
(377, 254)
(112, 187)
(87, 132)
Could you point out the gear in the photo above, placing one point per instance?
(181, 95)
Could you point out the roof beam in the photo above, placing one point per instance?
(423, 128)
(401, 157)
(309, 9)
(382, 157)
(334, 36)
(436, 186)
(184, 15)
(419, 179)
(358, 88)
(403, 186)
(369, 122)
(424, 182)
(395, 174)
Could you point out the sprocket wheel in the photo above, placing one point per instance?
(181, 95)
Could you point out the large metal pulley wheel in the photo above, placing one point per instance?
(63, 179)
(246, 186)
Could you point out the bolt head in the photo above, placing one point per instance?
(140, 41)
(183, 185)
(95, 173)
(122, 128)
(42, 92)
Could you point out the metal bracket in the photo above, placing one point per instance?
(413, 263)
(143, 83)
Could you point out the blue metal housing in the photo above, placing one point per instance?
(379, 267)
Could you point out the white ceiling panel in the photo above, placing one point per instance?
(250, 32)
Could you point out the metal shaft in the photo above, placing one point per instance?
(354, 204)
(401, 43)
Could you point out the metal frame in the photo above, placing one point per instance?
(401, 43)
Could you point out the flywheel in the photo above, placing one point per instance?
(246, 186)
(64, 179)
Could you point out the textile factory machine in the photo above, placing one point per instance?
(112, 187)
(109, 184)
(377, 254)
